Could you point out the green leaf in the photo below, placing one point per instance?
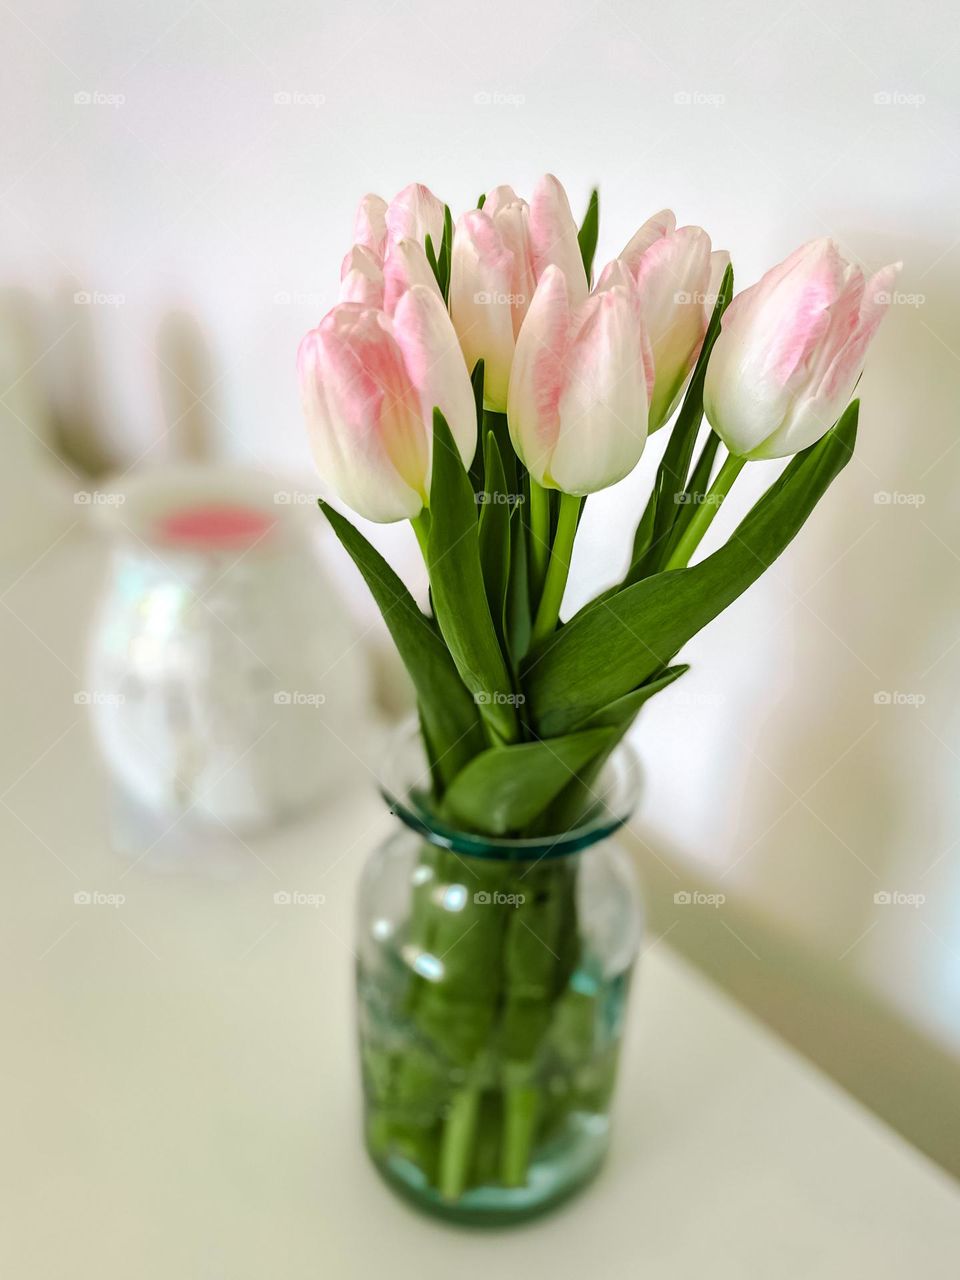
(621, 713)
(476, 467)
(446, 251)
(494, 534)
(612, 647)
(519, 623)
(697, 486)
(456, 580)
(574, 802)
(431, 253)
(674, 466)
(481, 200)
(587, 235)
(448, 713)
(504, 789)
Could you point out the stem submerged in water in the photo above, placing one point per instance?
(456, 1150)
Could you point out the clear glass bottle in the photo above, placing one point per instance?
(492, 984)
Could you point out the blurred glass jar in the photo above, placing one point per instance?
(224, 679)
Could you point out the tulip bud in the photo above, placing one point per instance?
(577, 407)
(369, 385)
(370, 224)
(790, 351)
(413, 214)
(499, 253)
(674, 273)
(361, 278)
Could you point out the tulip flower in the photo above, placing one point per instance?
(388, 255)
(499, 254)
(790, 351)
(676, 276)
(369, 384)
(577, 412)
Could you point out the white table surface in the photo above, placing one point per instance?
(180, 1092)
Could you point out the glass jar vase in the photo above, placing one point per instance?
(492, 985)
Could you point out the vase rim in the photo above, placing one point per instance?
(404, 782)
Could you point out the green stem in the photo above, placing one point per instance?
(706, 510)
(520, 1118)
(539, 535)
(421, 527)
(556, 579)
(456, 1152)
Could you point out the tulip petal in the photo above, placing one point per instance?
(553, 237)
(405, 265)
(603, 408)
(434, 362)
(413, 214)
(361, 279)
(673, 278)
(363, 414)
(538, 375)
(481, 281)
(369, 225)
(661, 224)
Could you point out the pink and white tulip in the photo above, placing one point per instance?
(388, 255)
(577, 402)
(499, 254)
(676, 276)
(791, 349)
(369, 384)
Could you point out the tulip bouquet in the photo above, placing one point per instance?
(478, 381)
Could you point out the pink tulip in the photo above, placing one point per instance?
(388, 256)
(676, 277)
(577, 403)
(369, 385)
(499, 254)
(790, 351)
